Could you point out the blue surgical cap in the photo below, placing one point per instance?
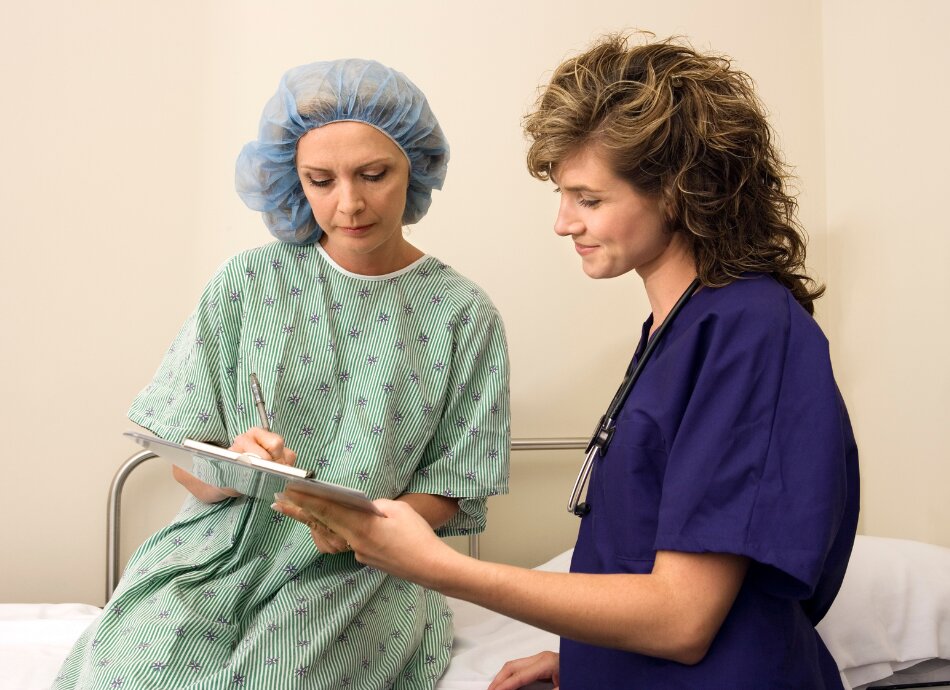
(314, 95)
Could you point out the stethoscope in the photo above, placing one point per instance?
(605, 428)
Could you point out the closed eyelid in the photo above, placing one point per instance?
(578, 194)
(322, 178)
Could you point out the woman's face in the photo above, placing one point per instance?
(615, 228)
(355, 179)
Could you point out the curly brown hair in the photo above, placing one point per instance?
(689, 129)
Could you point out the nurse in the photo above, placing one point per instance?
(721, 518)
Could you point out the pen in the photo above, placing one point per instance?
(259, 402)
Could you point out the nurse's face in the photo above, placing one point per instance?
(614, 227)
(356, 179)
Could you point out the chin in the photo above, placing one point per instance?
(598, 272)
(590, 268)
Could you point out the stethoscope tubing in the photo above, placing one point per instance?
(624, 391)
(603, 433)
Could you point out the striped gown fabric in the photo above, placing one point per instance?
(390, 384)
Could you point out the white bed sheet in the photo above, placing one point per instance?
(484, 641)
(35, 638)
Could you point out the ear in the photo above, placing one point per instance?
(668, 207)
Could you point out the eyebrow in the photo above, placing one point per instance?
(580, 188)
(316, 168)
(575, 187)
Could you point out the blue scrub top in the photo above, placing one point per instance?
(734, 440)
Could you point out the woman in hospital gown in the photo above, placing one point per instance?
(384, 369)
(723, 513)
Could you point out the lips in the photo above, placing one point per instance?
(356, 230)
(584, 249)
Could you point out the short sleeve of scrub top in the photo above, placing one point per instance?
(756, 467)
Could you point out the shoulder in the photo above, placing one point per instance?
(272, 254)
(464, 294)
(753, 319)
(758, 303)
(260, 264)
(753, 294)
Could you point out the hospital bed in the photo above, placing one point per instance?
(888, 628)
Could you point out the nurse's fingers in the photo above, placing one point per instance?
(282, 505)
(520, 672)
(337, 517)
(325, 539)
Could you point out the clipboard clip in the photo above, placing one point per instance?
(288, 471)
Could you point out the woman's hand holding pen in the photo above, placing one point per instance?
(260, 440)
(256, 441)
(264, 444)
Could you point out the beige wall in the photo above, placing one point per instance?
(121, 122)
(886, 104)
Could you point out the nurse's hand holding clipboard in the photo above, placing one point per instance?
(402, 543)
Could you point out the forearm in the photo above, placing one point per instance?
(674, 612)
(649, 614)
(437, 510)
(605, 610)
(203, 491)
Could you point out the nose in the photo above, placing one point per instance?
(567, 223)
(350, 201)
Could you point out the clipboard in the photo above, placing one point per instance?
(249, 474)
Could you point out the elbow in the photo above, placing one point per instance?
(690, 653)
(687, 645)
(691, 642)
(691, 601)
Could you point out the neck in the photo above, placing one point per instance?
(665, 285)
(383, 260)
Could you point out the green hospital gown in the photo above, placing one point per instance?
(390, 384)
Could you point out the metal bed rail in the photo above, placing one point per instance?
(113, 517)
